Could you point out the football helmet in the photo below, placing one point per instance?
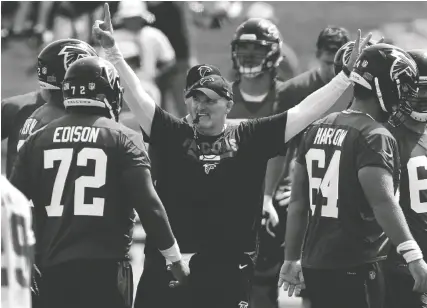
(93, 82)
(417, 106)
(55, 58)
(389, 72)
(266, 38)
(343, 55)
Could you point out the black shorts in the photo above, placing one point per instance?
(220, 281)
(94, 283)
(358, 287)
(399, 284)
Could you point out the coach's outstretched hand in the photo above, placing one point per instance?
(359, 45)
(103, 30)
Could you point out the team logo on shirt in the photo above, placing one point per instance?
(72, 54)
(208, 167)
(243, 304)
(211, 154)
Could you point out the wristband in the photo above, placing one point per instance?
(172, 254)
(113, 54)
(410, 251)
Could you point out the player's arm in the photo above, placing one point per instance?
(138, 100)
(377, 163)
(144, 199)
(377, 184)
(19, 176)
(298, 213)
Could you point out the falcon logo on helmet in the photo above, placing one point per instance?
(402, 65)
(112, 75)
(72, 54)
(55, 59)
(203, 70)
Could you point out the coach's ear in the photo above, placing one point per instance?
(230, 105)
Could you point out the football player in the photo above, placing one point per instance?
(412, 140)
(85, 174)
(211, 177)
(256, 54)
(347, 171)
(17, 247)
(53, 62)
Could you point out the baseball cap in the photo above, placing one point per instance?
(199, 71)
(213, 86)
(332, 38)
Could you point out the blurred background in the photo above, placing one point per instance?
(161, 40)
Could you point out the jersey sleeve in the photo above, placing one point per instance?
(19, 176)
(266, 135)
(8, 114)
(134, 151)
(378, 150)
(299, 142)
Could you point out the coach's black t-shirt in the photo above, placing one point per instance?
(212, 186)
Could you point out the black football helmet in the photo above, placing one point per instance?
(389, 72)
(93, 82)
(261, 32)
(417, 106)
(343, 55)
(55, 58)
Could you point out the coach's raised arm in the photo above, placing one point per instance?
(143, 106)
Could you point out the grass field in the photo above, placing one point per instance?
(300, 23)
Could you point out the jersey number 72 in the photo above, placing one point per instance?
(65, 157)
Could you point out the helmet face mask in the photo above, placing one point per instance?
(251, 57)
(256, 47)
(415, 106)
(93, 82)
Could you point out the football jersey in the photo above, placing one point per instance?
(243, 109)
(413, 184)
(343, 231)
(14, 112)
(38, 119)
(72, 171)
(16, 254)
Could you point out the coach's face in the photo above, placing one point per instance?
(212, 112)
